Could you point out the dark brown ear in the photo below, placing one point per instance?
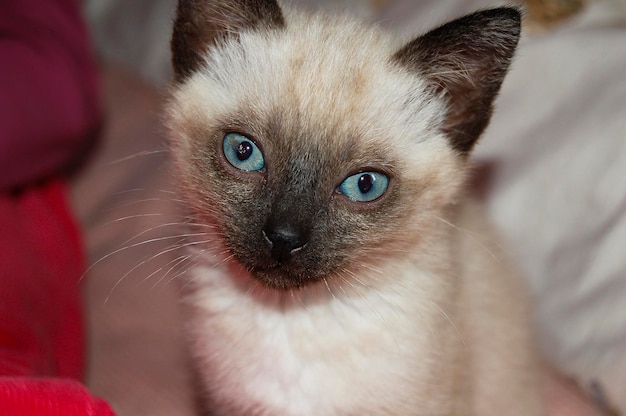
(466, 60)
(200, 24)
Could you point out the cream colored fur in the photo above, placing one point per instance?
(416, 345)
(432, 324)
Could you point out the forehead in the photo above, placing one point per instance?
(330, 82)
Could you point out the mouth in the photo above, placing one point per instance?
(281, 277)
(284, 273)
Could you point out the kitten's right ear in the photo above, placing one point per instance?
(466, 60)
(201, 24)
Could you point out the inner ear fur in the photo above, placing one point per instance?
(466, 61)
(201, 24)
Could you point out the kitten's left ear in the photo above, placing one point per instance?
(203, 24)
(466, 60)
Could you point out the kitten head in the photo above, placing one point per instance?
(316, 146)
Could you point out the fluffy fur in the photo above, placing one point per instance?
(399, 306)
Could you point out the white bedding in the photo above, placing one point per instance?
(556, 145)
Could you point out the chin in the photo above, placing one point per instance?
(281, 278)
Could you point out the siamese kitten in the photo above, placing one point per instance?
(338, 268)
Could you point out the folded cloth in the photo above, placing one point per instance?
(41, 314)
(48, 397)
(49, 107)
(41, 263)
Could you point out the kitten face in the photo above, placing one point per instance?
(318, 101)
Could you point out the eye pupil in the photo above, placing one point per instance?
(244, 150)
(366, 183)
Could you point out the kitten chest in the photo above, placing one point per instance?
(328, 352)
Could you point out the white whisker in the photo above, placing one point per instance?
(175, 263)
(471, 235)
(136, 155)
(442, 312)
(134, 245)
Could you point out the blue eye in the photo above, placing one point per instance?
(242, 153)
(364, 186)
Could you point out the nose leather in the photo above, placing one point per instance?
(284, 242)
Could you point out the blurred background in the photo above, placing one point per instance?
(554, 181)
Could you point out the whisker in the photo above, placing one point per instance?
(163, 191)
(158, 227)
(328, 288)
(134, 156)
(176, 262)
(296, 295)
(471, 235)
(138, 244)
(252, 287)
(136, 202)
(372, 268)
(143, 262)
(442, 312)
(361, 295)
(131, 217)
(184, 271)
(169, 196)
(354, 277)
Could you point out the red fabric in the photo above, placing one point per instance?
(41, 315)
(49, 113)
(49, 107)
(48, 397)
(41, 328)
